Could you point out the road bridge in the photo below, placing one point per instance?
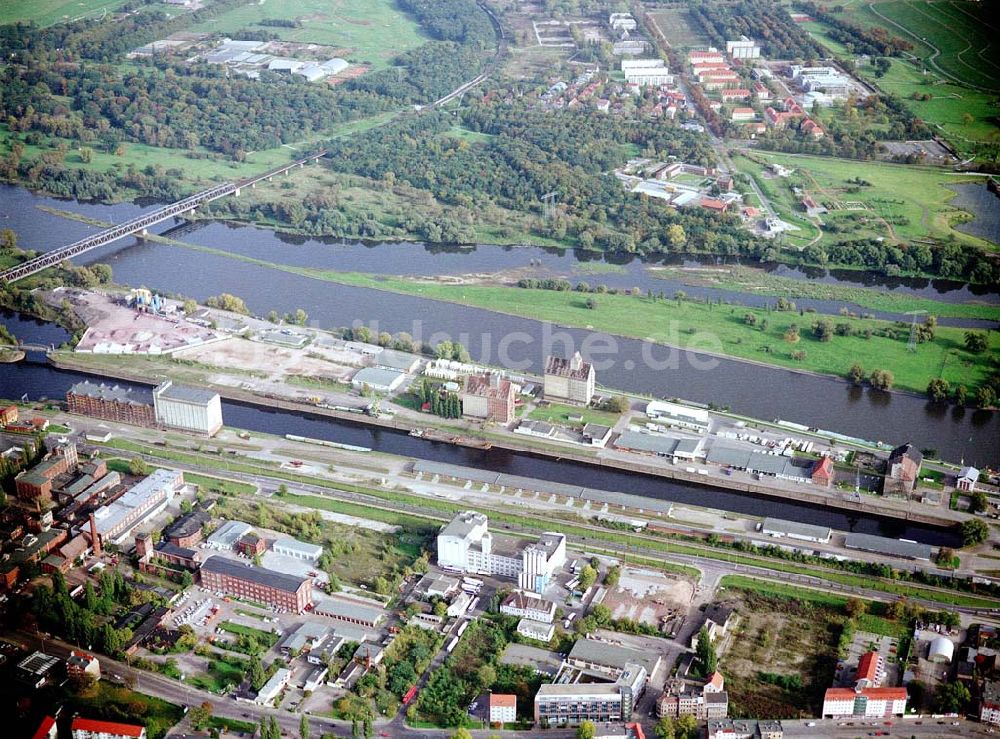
(141, 223)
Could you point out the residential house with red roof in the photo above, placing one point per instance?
(85, 728)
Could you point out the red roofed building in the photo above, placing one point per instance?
(871, 670)
(8, 415)
(715, 683)
(822, 472)
(47, 729)
(85, 728)
(719, 206)
(503, 708)
(864, 702)
(812, 128)
(735, 93)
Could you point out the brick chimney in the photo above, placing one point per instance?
(95, 539)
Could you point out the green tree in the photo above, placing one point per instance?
(301, 317)
(855, 607)
(304, 727)
(201, 715)
(952, 697)
(255, 672)
(586, 730)
(705, 653)
(190, 306)
(588, 576)
(937, 389)
(86, 154)
(974, 531)
(187, 580)
(664, 728)
(882, 379)
(462, 733)
(612, 576)
(687, 727)
(138, 467)
(961, 395)
(978, 502)
(986, 397)
(856, 374)
(976, 341)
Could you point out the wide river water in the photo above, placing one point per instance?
(754, 390)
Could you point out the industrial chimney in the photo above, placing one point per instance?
(95, 539)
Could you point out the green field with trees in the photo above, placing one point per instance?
(371, 32)
(48, 12)
(770, 337)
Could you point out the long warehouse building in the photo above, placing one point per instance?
(277, 589)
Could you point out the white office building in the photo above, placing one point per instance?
(466, 545)
(187, 408)
(745, 48)
(647, 72)
(529, 605)
(273, 687)
(290, 547)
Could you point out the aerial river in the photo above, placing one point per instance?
(755, 390)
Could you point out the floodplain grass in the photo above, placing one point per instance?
(49, 12)
(759, 282)
(371, 32)
(722, 329)
(267, 639)
(968, 49)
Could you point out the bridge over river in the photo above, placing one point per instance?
(139, 224)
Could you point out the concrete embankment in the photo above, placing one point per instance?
(866, 507)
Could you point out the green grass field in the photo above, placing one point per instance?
(758, 282)
(719, 329)
(370, 32)
(951, 37)
(49, 12)
(915, 193)
(561, 414)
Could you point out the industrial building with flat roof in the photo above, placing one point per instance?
(661, 445)
(762, 463)
(794, 530)
(350, 611)
(290, 547)
(890, 547)
(678, 415)
(225, 537)
(144, 500)
(609, 659)
(286, 592)
(377, 379)
(188, 408)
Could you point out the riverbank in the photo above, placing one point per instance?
(757, 281)
(834, 501)
(774, 338)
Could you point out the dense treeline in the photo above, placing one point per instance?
(47, 88)
(762, 20)
(532, 154)
(423, 74)
(875, 41)
(462, 21)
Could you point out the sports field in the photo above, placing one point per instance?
(49, 12)
(368, 31)
(677, 29)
